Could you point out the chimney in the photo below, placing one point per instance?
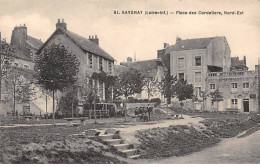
(165, 45)
(129, 60)
(178, 39)
(245, 60)
(94, 39)
(61, 24)
(0, 38)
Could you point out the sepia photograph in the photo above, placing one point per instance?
(129, 82)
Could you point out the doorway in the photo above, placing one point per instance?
(246, 105)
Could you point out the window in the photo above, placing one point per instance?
(110, 67)
(90, 60)
(234, 103)
(180, 62)
(197, 76)
(212, 86)
(26, 66)
(233, 85)
(100, 64)
(181, 76)
(197, 61)
(246, 85)
(197, 91)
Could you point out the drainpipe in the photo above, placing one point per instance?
(258, 69)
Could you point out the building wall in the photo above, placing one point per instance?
(221, 53)
(85, 69)
(23, 63)
(189, 68)
(223, 82)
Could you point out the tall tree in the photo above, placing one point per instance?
(182, 90)
(21, 89)
(6, 59)
(109, 82)
(151, 86)
(167, 86)
(129, 83)
(56, 69)
(216, 96)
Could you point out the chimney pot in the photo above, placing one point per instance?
(165, 45)
(58, 20)
(62, 20)
(95, 36)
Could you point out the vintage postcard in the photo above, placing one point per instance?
(129, 82)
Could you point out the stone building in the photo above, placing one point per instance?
(152, 70)
(26, 47)
(192, 59)
(206, 63)
(91, 56)
(238, 88)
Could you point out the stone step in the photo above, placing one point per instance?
(113, 141)
(129, 152)
(134, 156)
(106, 137)
(121, 147)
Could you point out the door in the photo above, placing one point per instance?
(246, 105)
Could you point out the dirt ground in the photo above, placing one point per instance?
(159, 138)
(182, 140)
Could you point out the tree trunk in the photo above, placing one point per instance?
(95, 113)
(0, 77)
(53, 108)
(14, 99)
(124, 106)
(72, 111)
(46, 105)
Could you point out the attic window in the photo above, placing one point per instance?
(90, 60)
(100, 64)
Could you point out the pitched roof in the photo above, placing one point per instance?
(119, 69)
(148, 68)
(83, 43)
(33, 42)
(190, 44)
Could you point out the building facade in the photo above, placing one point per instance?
(239, 90)
(152, 71)
(25, 47)
(91, 56)
(192, 59)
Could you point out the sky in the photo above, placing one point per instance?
(125, 36)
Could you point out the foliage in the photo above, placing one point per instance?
(108, 80)
(182, 90)
(56, 68)
(129, 82)
(89, 92)
(216, 96)
(151, 86)
(157, 101)
(167, 86)
(66, 101)
(20, 89)
(6, 56)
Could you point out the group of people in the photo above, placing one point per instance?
(144, 113)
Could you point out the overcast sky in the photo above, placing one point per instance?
(124, 35)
